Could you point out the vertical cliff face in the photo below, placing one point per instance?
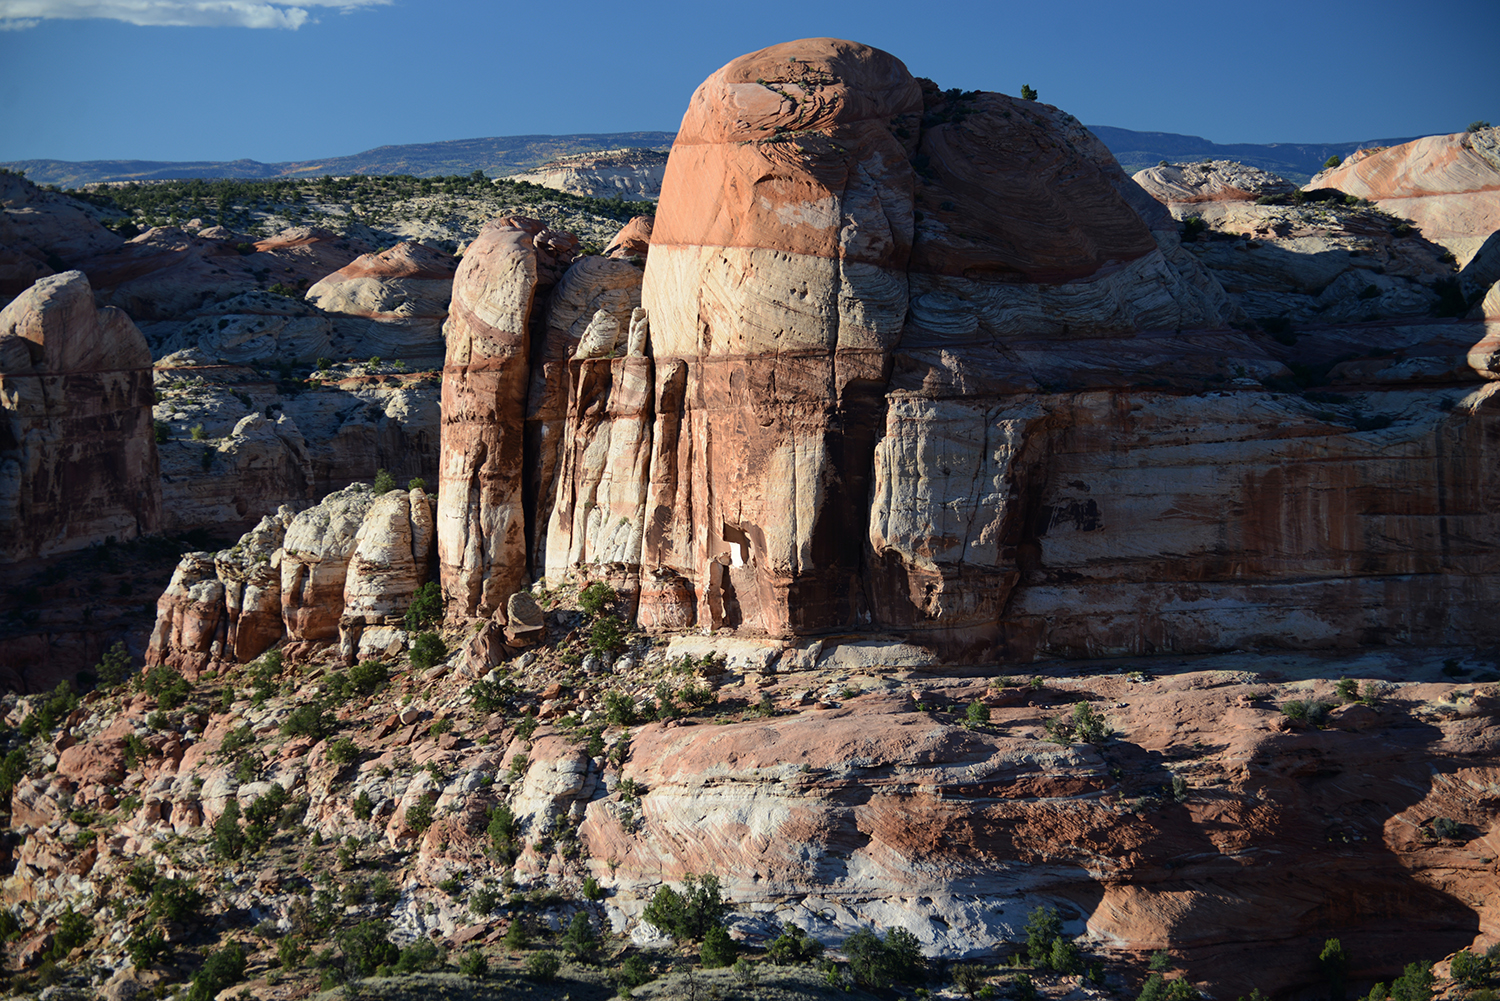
(776, 289)
(78, 458)
(481, 514)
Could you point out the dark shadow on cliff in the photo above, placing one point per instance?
(1250, 881)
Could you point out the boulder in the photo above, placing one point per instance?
(633, 239)
(392, 558)
(78, 462)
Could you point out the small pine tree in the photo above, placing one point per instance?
(1028, 93)
(1332, 161)
(718, 949)
(384, 482)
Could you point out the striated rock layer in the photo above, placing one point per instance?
(78, 460)
(1449, 186)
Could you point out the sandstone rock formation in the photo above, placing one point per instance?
(42, 233)
(342, 571)
(633, 239)
(632, 174)
(78, 459)
(1448, 186)
(921, 362)
(1175, 184)
(390, 304)
(482, 542)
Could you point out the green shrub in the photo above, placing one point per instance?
(691, 913)
(1309, 711)
(635, 971)
(482, 901)
(580, 941)
(527, 724)
(474, 965)
(12, 768)
(343, 751)
(235, 741)
(978, 714)
(427, 650)
(1470, 970)
(309, 720)
(383, 890)
(1028, 92)
(367, 677)
(169, 688)
(222, 968)
(594, 599)
(364, 808)
(1334, 962)
(880, 963)
(968, 977)
(426, 608)
(416, 483)
(419, 815)
(196, 432)
(1043, 927)
(502, 832)
(384, 481)
(591, 889)
(114, 667)
(718, 949)
(619, 709)
(145, 947)
(490, 696)
(73, 929)
(142, 877)
(175, 900)
(422, 954)
(543, 966)
(794, 945)
(1192, 228)
(367, 946)
(517, 936)
(1332, 161)
(606, 636)
(1348, 689)
(228, 839)
(161, 432)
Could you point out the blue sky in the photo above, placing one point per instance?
(224, 79)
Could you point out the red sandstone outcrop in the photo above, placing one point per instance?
(776, 287)
(78, 458)
(390, 304)
(482, 542)
(1175, 184)
(633, 239)
(1448, 186)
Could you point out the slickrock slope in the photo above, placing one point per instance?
(1448, 186)
(390, 304)
(41, 233)
(632, 174)
(77, 457)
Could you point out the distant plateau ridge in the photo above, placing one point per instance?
(504, 155)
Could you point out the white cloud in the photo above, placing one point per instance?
(16, 15)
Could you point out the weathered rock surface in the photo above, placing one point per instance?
(633, 239)
(482, 542)
(43, 232)
(874, 812)
(1448, 186)
(390, 304)
(342, 571)
(265, 447)
(594, 293)
(78, 459)
(392, 558)
(631, 174)
(1176, 184)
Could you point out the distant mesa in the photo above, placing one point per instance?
(631, 174)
